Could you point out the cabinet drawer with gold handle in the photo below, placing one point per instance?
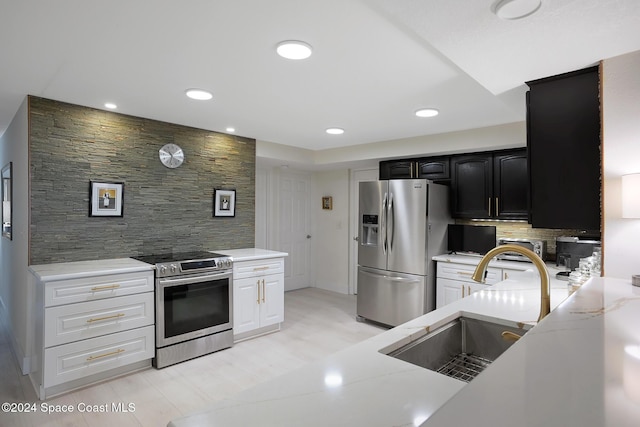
(76, 360)
(463, 272)
(91, 288)
(262, 267)
(73, 322)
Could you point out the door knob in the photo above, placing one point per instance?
(356, 238)
(308, 236)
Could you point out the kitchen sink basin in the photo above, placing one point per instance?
(463, 347)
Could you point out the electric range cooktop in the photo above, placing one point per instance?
(175, 264)
(178, 257)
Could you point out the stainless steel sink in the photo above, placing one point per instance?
(463, 347)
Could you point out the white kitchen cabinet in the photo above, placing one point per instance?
(453, 281)
(93, 321)
(258, 297)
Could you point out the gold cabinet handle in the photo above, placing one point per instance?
(258, 285)
(468, 290)
(266, 267)
(462, 291)
(465, 273)
(497, 210)
(489, 206)
(263, 291)
(118, 351)
(104, 288)
(98, 319)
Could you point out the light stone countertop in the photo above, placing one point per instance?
(565, 371)
(79, 269)
(250, 254)
(470, 259)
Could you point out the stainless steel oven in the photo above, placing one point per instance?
(194, 305)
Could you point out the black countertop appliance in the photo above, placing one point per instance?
(569, 250)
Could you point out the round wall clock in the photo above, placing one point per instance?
(171, 155)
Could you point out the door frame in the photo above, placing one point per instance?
(355, 177)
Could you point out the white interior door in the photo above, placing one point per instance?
(294, 229)
(357, 176)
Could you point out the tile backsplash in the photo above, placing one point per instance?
(523, 230)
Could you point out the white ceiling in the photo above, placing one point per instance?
(374, 63)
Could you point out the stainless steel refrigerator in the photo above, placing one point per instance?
(402, 225)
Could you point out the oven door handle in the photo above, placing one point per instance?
(194, 279)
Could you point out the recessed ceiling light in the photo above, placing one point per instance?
(294, 49)
(199, 94)
(516, 9)
(427, 112)
(335, 131)
(110, 105)
(231, 130)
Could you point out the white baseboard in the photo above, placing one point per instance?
(23, 362)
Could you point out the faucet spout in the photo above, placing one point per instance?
(545, 299)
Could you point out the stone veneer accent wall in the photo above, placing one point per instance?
(165, 210)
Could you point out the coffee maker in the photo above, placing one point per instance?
(569, 250)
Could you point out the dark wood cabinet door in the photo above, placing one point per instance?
(433, 168)
(563, 140)
(472, 186)
(510, 185)
(397, 169)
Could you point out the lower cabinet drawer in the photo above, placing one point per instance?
(73, 322)
(261, 267)
(463, 272)
(60, 292)
(73, 361)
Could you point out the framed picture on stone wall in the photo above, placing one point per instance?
(224, 202)
(106, 198)
(7, 195)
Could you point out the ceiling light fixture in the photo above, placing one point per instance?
(231, 130)
(335, 131)
(110, 105)
(199, 94)
(294, 49)
(427, 112)
(516, 9)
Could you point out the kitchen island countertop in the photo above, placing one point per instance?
(567, 370)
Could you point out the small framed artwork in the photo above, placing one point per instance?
(327, 202)
(106, 198)
(224, 202)
(7, 195)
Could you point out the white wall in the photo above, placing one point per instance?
(621, 155)
(15, 295)
(498, 137)
(331, 235)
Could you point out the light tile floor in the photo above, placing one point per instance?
(317, 323)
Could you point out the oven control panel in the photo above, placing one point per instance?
(177, 268)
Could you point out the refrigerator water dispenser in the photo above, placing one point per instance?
(369, 230)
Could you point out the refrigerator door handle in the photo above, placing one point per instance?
(383, 223)
(392, 278)
(391, 221)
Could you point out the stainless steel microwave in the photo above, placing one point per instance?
(538, 247)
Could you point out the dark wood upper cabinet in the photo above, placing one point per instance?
(433, 168)
(397, 169)
(563, 140)
(511, 185)
(472, 186)
(492, 185)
